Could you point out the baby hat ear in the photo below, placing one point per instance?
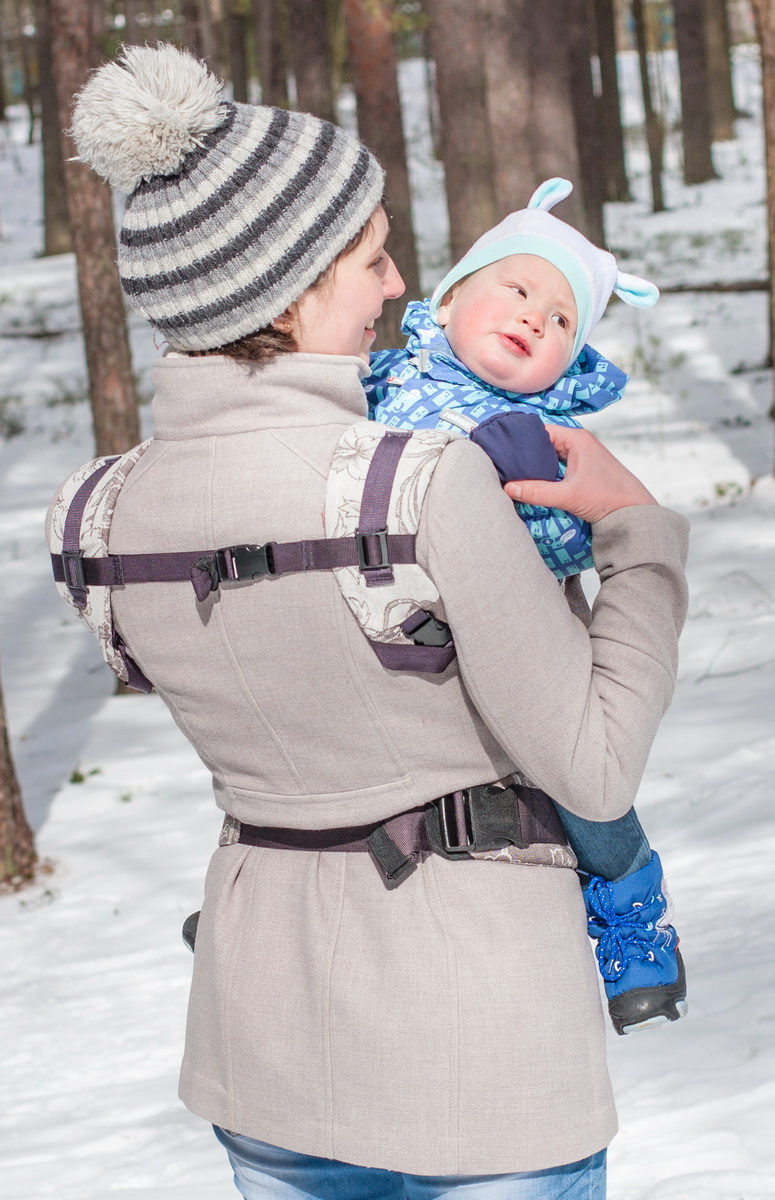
(550, 193)
(635, 291)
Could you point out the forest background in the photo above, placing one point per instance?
(659, 114)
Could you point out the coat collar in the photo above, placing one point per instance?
(214, 395)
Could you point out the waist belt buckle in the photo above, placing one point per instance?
(481, 818)
(451, 817)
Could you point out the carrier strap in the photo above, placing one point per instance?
(367, 551)
(70, 558)
(462, 824)
(375, 503)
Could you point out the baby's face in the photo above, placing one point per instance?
(513, 323)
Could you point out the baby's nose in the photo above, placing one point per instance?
(535, 320)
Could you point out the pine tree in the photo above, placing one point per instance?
(374, 67)
(455, 38)
(113, 399)
(56, 223)
(617, 187)
(17, 845)
(695, 88)
(310, 53)
(764, 15)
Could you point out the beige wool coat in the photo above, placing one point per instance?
(452, 1024)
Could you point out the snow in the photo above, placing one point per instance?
(94, 975)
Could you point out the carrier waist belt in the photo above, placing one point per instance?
(473, 821)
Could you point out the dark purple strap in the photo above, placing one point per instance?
(431, 660)
(375, 501)
(71, 537)
(322, 554)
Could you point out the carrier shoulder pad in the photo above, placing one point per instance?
(93, 540)
(380, 610)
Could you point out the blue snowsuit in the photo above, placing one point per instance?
(402, 395)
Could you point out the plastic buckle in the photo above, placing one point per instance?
(245, 562)
(384, 559)
(448, 825)
(72, 566)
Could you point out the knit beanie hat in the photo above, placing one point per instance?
(233, 209)
(591, 272)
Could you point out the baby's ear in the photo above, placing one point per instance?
(445, 308)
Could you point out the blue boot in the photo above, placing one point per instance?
(637, 948)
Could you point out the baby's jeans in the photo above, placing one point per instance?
(612, 849)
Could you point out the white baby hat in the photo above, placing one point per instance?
(591, 272)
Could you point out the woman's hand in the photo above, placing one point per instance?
(595, 482)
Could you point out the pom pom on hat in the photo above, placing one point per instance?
(591, 272)
(140, 116)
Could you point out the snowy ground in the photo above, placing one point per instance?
(94, 976)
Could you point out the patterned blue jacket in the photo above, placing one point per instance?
(403, 395)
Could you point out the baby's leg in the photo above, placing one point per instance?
(629, 913)
(612, 849)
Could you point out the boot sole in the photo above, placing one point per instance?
(644, 1007)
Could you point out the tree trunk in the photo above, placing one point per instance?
(310, 52)
(191, 13)
(210, 15)
(25, 44)
(237, 27)
(465, 126)
(17, 845)
(722, 101)
(3, 92)
(113, 400)
(270, 52)
(509, 105)
(764, 15)
(131, 34)
(554, 124)
(588, 136)
(373, 64)
(617, 187)
(56, 224)
(695, 86)
(654, 132)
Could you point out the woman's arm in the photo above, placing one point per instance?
(576, 709)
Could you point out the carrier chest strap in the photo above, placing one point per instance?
(367, 551)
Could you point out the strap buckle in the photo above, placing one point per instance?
(364, 559)
(72, 566)
(481, 818)
(245, 562)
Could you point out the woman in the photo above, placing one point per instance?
(346, 1038)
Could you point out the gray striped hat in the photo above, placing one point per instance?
(233, 209)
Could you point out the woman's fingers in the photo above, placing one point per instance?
(595, 482)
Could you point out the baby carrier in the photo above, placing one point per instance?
(377, 482)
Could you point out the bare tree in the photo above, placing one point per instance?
(113, 399)
(56, 223)
(310, 54)
(191, 12)
(26, 56)
(17, 845)
(721, 96)
(653, 122)
(270, 51)
(695, 86)
(131, 33)
(617, 187)
(373, 65)
(455, 37)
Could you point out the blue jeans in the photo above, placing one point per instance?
(612, 849)
(263, 1172)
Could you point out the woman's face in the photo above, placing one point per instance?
(338, 316)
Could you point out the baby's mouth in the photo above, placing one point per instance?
(519, 344)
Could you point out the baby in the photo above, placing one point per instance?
(499, 350)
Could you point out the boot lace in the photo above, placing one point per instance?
(624, 936)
